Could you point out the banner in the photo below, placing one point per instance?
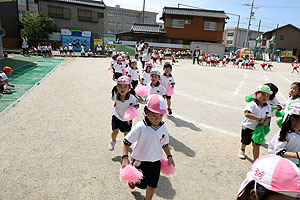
(289, 54)
(76, 37)
(98, 41)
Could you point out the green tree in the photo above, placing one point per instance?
(38, 26)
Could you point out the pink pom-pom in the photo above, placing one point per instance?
(142, 91)
(111, 61)
(131, 174)
(166, 168)
(131, 113)
(124, 71)
(170, 91)
(109, 69)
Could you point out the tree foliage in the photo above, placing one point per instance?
(38, 26)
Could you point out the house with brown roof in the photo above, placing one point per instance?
(184, 25)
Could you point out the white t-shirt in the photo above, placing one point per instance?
(70, 47)
(133, 73)
(149, 141)
(24, 43)
(146, 78)
(157, 89)
(253, 107)
(167, 82)
(121, 106)
(119, 67)
(292, 144)
(3, 77)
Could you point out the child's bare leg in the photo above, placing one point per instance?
(169, 103)
(114, 134)
(149, 193)
(125, 133)
(255, 151)
(243, 146)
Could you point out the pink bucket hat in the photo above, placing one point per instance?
(156, 103)
(274, 173)
(148, 64)
(124, 80)
(133, 60)
(119, 58)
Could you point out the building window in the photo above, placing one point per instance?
(85, 15)
(210, 26)
(176, 23)
(147, 17)
(179, 41)
(55, 12)
(100, 15)
(114, 22)
(131, 16)
(22, 2)
(281, 37)
(114, 14)
(229, 42)
(230, 34)
(128, 24)
(168, 41)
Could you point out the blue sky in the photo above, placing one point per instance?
(271, 12)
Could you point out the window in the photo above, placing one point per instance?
(114, 22)
(176, 23)
(131, 16)
(168, 41)
(210, 26)
(230, 34)
(55, 12)
(147, 17)
(101, 15)
(229, 42)
(187, 21)
(179, 41)
(88, 16)
(22, 2)
(128, 24)
(281, 37)
(114, 14)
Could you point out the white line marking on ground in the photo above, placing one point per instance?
(208, 102)
(206, 126)
(284, 77)
(238, 88)
(245, 76)
(266, 78)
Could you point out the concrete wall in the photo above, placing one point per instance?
(194, 31)
(209, 48)
(97, 28)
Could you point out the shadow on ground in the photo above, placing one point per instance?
(182, 123)
(165, 189)
(181, 147)
(138, 195)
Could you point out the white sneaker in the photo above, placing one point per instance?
(242, 154)
(111, 145)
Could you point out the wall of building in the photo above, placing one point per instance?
(194, 29)
(120, 20)
(209, 48)
(9, 22)
(22, 8)
(97, 28)
(230, 35)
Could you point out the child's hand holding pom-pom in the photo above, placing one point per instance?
(109, 69)
(170, 91)
(131, 113)
(131, 174)
(166, 168)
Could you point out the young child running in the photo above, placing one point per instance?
(133, 73)
(155, 85)
(151, 137)
(146, 74)
(286, 142)
(4, 80)
(118, 68)
(123, 100)
(167, 81)
(295, 66)
(269, 65)
(257, 112)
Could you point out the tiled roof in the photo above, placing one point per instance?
(85, 2)
(149, 28)
(194, 12)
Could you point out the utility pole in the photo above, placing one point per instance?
(251, 14)
(258, 29)
(143, 19)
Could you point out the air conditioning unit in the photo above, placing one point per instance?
(187, 21)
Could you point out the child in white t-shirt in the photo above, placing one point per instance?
(90, 53)
(133, 73)
(150, 137)
(256, 112)
(286, 142)
(155, 85)
(123, 100)
(4, 80)
(118, 68)
(167, 81)
(146, 74)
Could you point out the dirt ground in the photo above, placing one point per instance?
(53, 143)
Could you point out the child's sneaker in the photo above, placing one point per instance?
(242, 154)
(170, 111)
(131, 185)
(111, 145)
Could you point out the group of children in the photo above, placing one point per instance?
(150, 134)
(258, 113)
